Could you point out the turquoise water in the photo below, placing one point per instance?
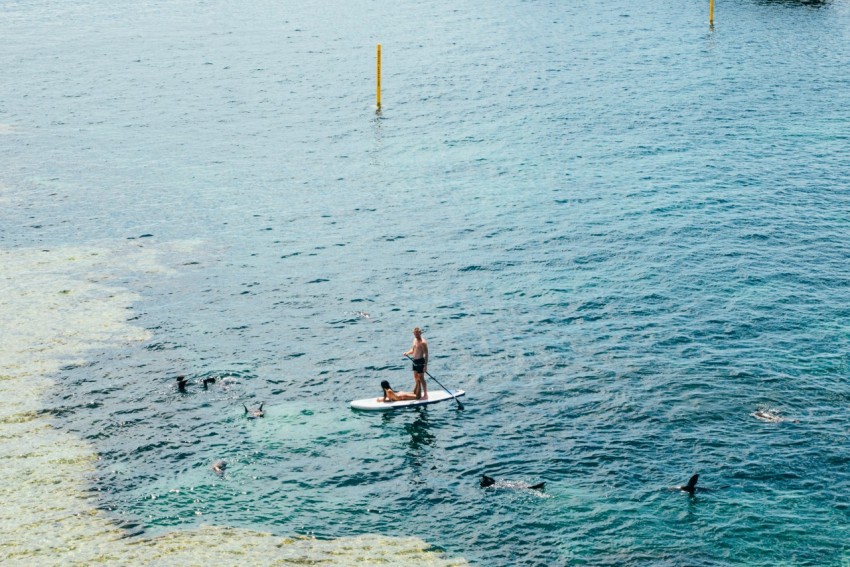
(622, 232)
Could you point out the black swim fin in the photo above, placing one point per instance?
(691, 487)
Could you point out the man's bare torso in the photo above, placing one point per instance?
(419, 348)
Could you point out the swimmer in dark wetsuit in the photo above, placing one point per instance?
(419, 353)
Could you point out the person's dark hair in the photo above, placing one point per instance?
(385, 385)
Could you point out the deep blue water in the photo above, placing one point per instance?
(622, 232)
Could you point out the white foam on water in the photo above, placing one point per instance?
(56, 307)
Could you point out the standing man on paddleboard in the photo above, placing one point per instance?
(419, 353)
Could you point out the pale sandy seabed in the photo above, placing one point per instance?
(56, 306)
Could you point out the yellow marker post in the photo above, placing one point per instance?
(379, 74)
(710, 12)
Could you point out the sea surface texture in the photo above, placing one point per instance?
(624, 234)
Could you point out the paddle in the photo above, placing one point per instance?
(459, 405)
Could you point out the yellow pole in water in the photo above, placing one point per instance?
(711, 12)
(379, 74)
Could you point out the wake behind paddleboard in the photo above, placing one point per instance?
(372, 404)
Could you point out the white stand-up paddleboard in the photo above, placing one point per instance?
(372, 404)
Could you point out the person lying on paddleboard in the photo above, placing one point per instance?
(391, 395)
